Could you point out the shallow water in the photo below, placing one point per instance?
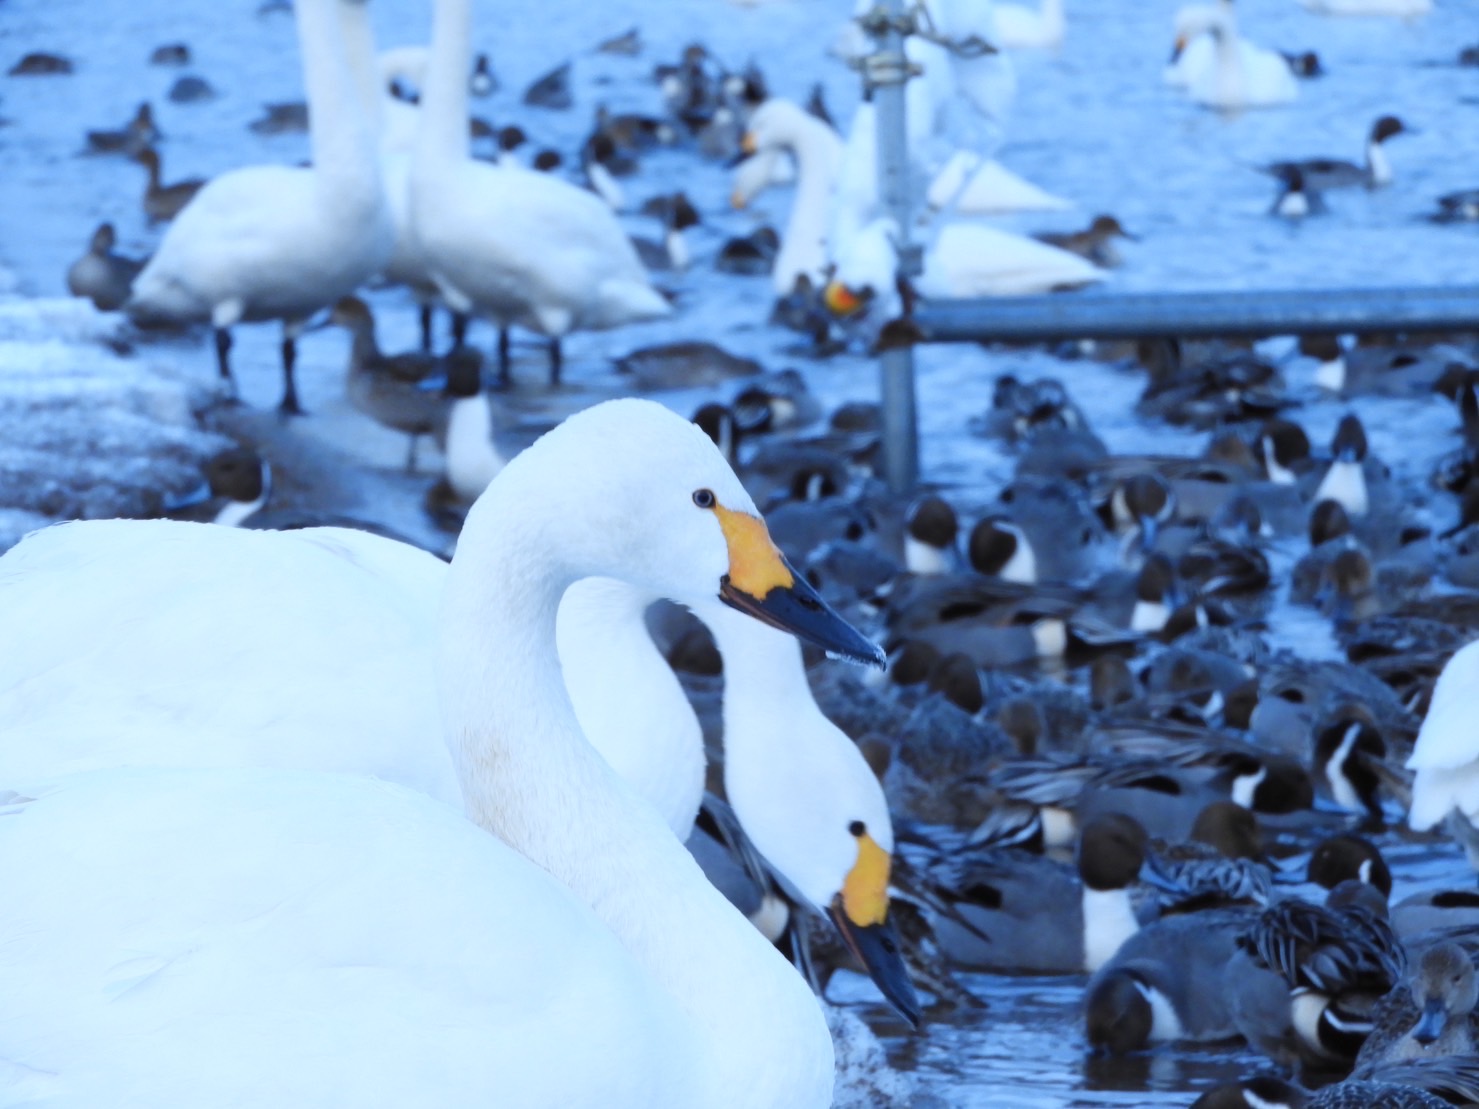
(1094, 123)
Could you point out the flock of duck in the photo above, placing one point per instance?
(298, 810)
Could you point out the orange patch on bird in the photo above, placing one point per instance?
(865, 889)
(840, 300)
(755, 563)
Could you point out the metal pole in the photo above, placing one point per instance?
(1197, 315)
(885, 73)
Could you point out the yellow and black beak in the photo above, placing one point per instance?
(860, 912)
(762, 584)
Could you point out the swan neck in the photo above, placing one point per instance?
(529, 776)
(443, 134)
(359, 44)
(338, 135)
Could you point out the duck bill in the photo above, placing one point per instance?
(798, 608)
(877, 948)
(1432, 1022)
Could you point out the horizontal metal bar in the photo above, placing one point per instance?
(1191, 315)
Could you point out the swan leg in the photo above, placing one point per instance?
(460, 324)
(426, 314)
(223, 360)
(289, 405)
(556, 361)
(411, 453)
(503, 356)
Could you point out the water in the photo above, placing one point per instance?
(1094, 123)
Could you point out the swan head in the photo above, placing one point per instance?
(630, 490)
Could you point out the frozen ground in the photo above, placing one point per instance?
(1093, 123)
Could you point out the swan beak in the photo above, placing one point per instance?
(840, 300)
(762, 584)
(1177, 49)
(748, 145)
(738, 200)
(860, 912)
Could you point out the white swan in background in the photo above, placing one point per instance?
(1020, 27)
(1446, 754)
(510, 244)
(778, 126)
(972, 186)
(1239, 75)
(281, 242)
(961, 260)
(1370, 7)
(233, 916)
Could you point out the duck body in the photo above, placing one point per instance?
(103, 276)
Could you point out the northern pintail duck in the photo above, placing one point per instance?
(1430, 1014)
(1095, 243)
(191, 89)
(391, 390)
(138, 133)
(551, 90)
(677, 215)
(104, 277)
(1345, 480)
(1323, 174)
(237, 484)
(999, 548)
(164, 202)
(1166, 983)
(1416, 1084)
(1034, 915)
(930, 530)
(1458, 207)
(170, 54)
(1297, 198)
(41, 64)
(471, 458)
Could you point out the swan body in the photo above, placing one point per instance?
(708, 1013)
(1370, 7)
(970, 186)
(1239, 76)
(506, 242)
(966, 260)
(280, 242)
(1446, 755)
(1020, 27)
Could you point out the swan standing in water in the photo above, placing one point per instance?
(504, 242)
(242, 936)
(280, 242)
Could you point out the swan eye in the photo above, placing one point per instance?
(704, 498)
(857, 828)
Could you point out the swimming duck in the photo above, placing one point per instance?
(481, 227)
(1033, 916)
(1323, 174)
(102, 276)
(1416, 1084)
(164, 202)
(41, 64)
(930, 528)
(132, 138)
(273, 242)
(1458, 207)
(1095, 243)
(1296, 199)
(313, 824)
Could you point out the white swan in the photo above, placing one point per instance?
(1019, 27)
(1446, 755)
(279, 242)
(500, 241)
(232, 910)
(1240, 75)
(1406, 8)
(963, 260)
(778, 126)
(972, 186)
